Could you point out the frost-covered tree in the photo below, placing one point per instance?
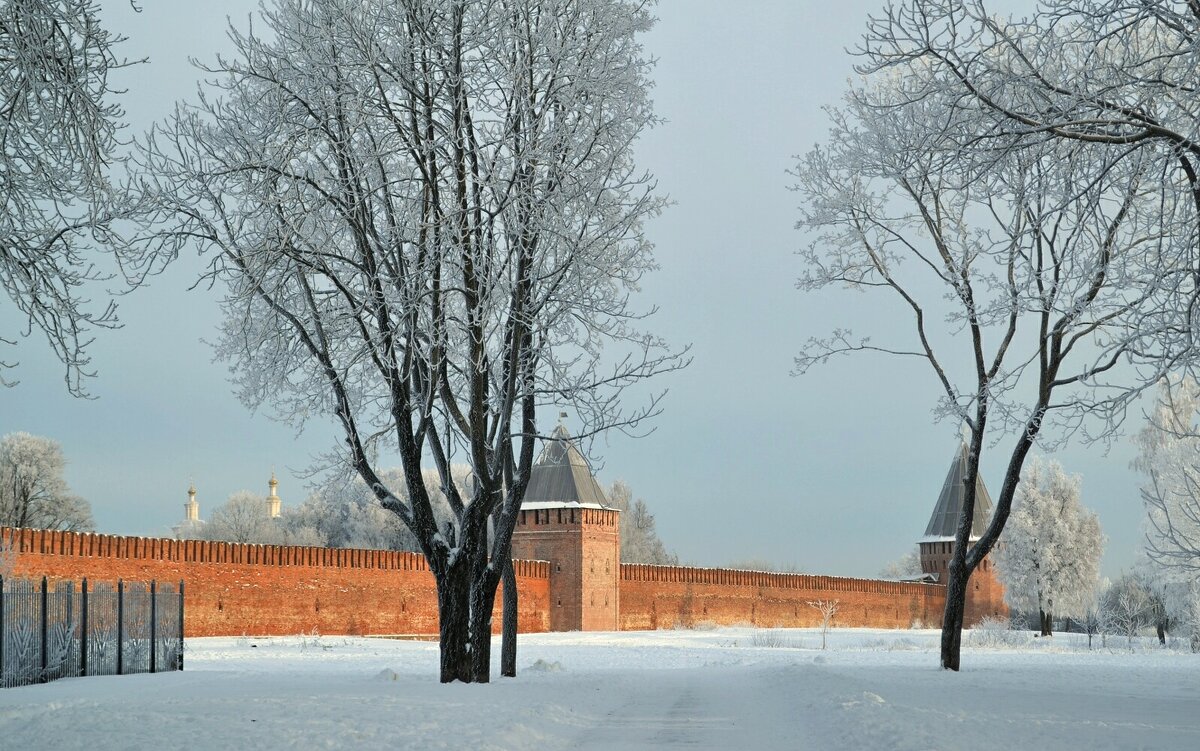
(1127, 606)
(639, 538)
(33, 491)
(348, 514)
(8, 558)
(828, 609)
(1095, 618)
(1169, 458)
(429, 220)
(245, 517)
(1050, 559)
(1115, 74)
(1190, 616)
(1043, 282)
(907, 566)
(763, 564)
(59, 126)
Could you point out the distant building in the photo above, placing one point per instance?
(566, 519)
(191, 525)
(274, 503)
(985, 593)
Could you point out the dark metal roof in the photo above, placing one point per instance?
(944, 521)
(562, 475)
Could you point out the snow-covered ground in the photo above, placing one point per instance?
(722, 689)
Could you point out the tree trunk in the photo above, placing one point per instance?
(483, 599)
(956, 605)
(1160, 627)
(453, 589)
(1047, 623)
(508, 645)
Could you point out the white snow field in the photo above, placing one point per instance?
(736, 688)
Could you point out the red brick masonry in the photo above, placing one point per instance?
(666, 596)
(235, 589)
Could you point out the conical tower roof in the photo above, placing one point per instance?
(944, 522)
(562, 475)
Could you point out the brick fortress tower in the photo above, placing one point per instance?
(566, 520)
(985, 593)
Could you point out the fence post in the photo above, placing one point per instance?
(120, 626)
(45, 625)
(153, 623)
(180, 667)
(69, 630)
(83, 630)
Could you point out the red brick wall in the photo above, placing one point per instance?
(261, 589)
(235, 589)
(665, 596)
(985, 593)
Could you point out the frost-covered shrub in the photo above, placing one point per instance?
(771, 639)
(992, 632)
(901, 644)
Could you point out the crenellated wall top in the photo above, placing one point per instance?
(738, 577)
(87, 544)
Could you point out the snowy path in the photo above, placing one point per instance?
(659, 690)
(697, 708)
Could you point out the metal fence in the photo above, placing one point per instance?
(46, 634)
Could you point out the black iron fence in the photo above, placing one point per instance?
(129, 627)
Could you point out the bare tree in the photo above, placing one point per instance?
(33, 491)
(1040, 285)
(828, 609)
(59, 126)
(429, 220)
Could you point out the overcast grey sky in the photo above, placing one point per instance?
(836, 472)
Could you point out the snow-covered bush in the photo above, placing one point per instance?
(774, 639)
(993, 632)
